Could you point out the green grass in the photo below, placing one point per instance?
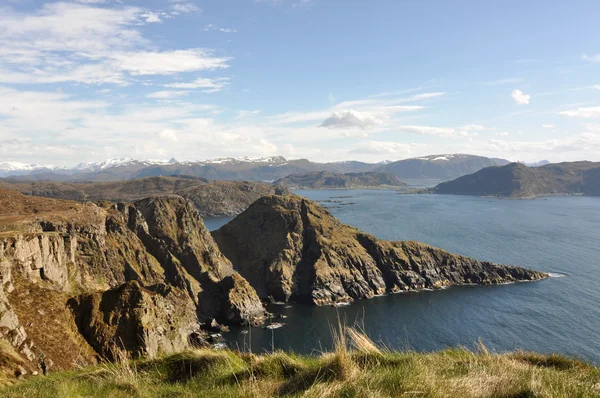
(357, 368)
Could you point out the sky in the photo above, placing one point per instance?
(327, 80)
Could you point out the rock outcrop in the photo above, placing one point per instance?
(78, 279)
(290, 248)
(143, 321)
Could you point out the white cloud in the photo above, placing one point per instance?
(520, 97)
(209, 85)
(185, 8)
(245, 113)
(586, 112)
(387, 148)
(352, 119)
(427, 96)
(591, 58)
(151, 17)
(502, 134)
(548, 126)
(465, 131)
(167, 94)
(168, 62)
(168, 135)
(84, 43)
(211, 27)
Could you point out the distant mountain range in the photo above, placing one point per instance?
(517, 180)
(440, 167)
(328, 180)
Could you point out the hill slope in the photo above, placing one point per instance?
(212, 198)
(328, 180)
(440, 167)
(290, 248)
(519, 181)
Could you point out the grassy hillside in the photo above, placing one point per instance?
(357, 368)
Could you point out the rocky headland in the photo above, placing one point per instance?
(290, 248)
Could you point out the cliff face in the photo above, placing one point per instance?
(141, 276)
(291, 248)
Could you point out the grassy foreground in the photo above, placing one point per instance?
(357, 368)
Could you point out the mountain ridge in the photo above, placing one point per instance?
(517, 180)
(212, 198)
(328, 180)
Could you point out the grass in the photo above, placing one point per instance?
(356, 368)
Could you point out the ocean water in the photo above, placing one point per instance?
(560, 235)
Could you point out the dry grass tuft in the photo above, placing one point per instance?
(357, 367)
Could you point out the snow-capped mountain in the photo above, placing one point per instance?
(17, 166)
(245, 159)
(120, 162)
(268, 168)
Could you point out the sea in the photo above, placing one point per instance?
(558, 235)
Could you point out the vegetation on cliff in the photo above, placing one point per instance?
(328, 180)
(356, 368)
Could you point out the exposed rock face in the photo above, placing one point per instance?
(290, 248)
(144, 321)
(144, 275)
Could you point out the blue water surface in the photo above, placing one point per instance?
(560, 235)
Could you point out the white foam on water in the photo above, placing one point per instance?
(556, 275)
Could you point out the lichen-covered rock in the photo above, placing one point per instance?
(288, 247)
(142, 321)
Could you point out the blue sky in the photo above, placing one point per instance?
(326, 80)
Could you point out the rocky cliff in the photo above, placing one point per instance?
(81, 280)
(290, 248)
